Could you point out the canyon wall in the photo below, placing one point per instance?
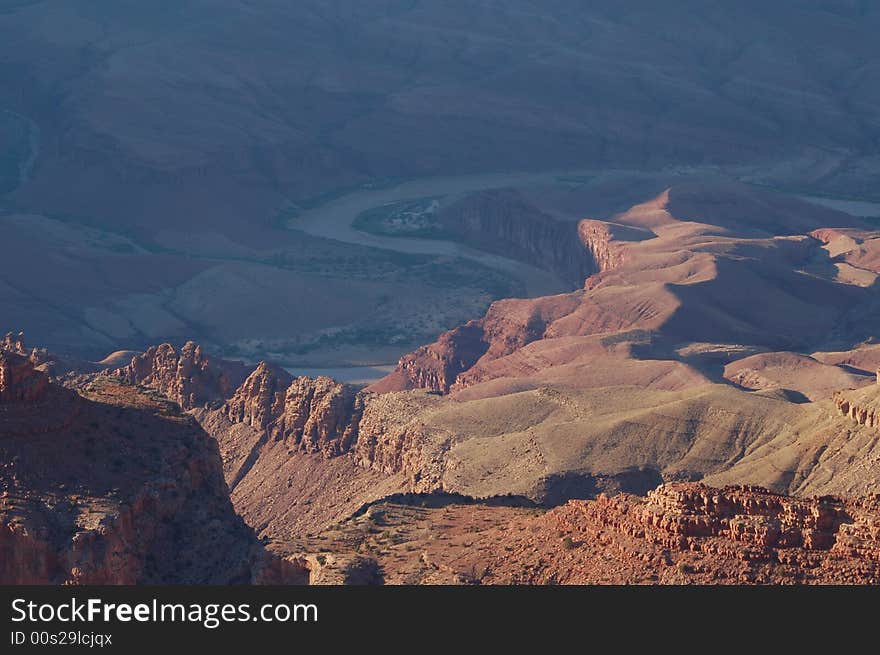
(731, 521)
(502, 222)
(112, 486)
(189, 377)
(436, 366)
(314, 415)
(508, 325)
(19, 381)
(309, 415)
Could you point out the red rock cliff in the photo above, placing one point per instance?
(19, 381)
(446, 364)
(114, 488)
(739, 521)
(313, 414)
(501, 221)
(454, 361)
(189, 377)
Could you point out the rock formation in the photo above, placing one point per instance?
(699, 534)
(436, 367)
(188, 377)
(259, 401)
(451, 362)
(29, 403)
(860, 405)
(19, 381)
(13, 343)
(733, 534)
(39, 357)
(319, 415)
(740, 522)
(312, 414)
(605, 242)
(309, 415)
(500, 221)
(114, 487)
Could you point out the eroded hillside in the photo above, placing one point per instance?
(110, 485)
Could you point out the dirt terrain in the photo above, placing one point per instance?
(680, 534)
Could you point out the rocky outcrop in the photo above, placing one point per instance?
(14, 343)
(19, 381)
(314, 415)
(319, 415)
(309, 415)
(691, 533)
(189, 376)
(436, 366)
(605, 242)
(501, 221)
(861, 414)
(453, 361)
(861, 406)
(742, 522)
(259, 401)
(124, 490)
(683, 533)
(29, 403)
(125, 547)
(39, 357)
(391, 440)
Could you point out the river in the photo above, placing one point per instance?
(333, 220)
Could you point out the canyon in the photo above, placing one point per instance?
(140, 206)
(721, 334)
(599, 281)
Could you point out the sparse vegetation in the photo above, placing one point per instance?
(363, 570)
